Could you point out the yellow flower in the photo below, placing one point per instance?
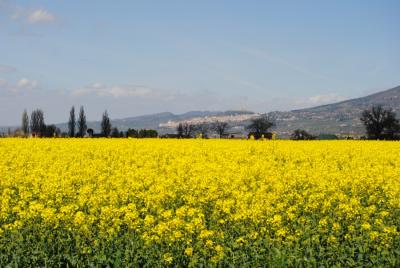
(277, 219)
(323, 222)
(79, 218)
(178, 234)
(148, 220)
(205, 197)
(219, 248)
(168, 258)
(332, 239)
(189, 251)
(281, 232)
(240, 240)
(206, 233)
(373, 235)
(209, 243)
(336, 227)
(366, 226)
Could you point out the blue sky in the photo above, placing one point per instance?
(140, 57)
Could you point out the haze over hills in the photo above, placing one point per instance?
(337, 118)
(155, 121)
(340, 118)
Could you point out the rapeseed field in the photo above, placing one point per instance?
(241, 203)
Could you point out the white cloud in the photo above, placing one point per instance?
(33, 16)
(121, 91)
(25, 83)
(20, 86)
(40, 16)
(96, 85)
(115, 91)
(327, 98)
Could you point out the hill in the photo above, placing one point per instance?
(341, 118)
(156, 121)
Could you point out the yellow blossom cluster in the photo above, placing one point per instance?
(161, 202)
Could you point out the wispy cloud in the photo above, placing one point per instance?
(327, 98)
(25, 83)
(264, 55)
(290, 103)
(33, 16)
(40, 16)
(243, 83)
(22, 85)
(319, 100)
(116, 91)
(377, 69)
(3, 83)
(6, 69)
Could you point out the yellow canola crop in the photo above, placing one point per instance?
(156, 202)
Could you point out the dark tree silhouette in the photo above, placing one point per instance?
(133, 133)
(202, 129)
(51, 131)
(147, 133)
(90, 132)
(25, 123)
(300, 134)
(259, 126)
(71, 122)
(179, 130)
(37, 124)
(380, 123)
(188, 130)
(115, 133)
(327, 136)
(221, 128)
(105, 125)
(82, 123)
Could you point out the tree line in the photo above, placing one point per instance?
(379, 123)
(257, 128)
(77, 127)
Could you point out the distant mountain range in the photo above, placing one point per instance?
(341, 118)
(155, 121)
